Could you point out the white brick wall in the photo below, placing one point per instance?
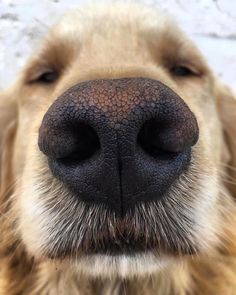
(211, 23)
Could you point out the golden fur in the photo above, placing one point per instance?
(144, 44)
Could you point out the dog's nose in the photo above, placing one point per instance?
(118, 142)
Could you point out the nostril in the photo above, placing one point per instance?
(150, 141)
(165, 139)
(85, 145)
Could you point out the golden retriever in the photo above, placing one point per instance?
(118, 159)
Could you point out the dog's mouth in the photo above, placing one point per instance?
(126, 243)
(123, 245)
(151, 228)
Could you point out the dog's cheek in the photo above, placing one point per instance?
(32, 216)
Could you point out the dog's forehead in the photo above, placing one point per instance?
(111, 21)
(133, 38)
(124, 31)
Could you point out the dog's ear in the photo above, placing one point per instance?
(226, 104)
(8, 115)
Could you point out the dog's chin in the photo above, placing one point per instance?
(122, 265)
(124, 258)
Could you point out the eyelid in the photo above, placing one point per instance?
(38, 67)
(37, 73)
(192, 68)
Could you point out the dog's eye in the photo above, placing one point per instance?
(181, 71)
(47, 77)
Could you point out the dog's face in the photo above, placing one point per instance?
(117, 146)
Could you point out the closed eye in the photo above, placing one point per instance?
(182, 71)
(47, 77)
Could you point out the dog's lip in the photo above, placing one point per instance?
(121, 243)
(117, 249)
(121, 246)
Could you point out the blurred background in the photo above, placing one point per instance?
(211, 23)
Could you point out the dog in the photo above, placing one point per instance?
(118, 157)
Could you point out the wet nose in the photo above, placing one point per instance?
(118, 142)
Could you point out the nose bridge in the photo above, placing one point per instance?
(125, 48)
(124, 104)
(116, 98)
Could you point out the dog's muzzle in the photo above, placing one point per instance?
(118, 142)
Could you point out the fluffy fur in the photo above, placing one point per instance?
(196, 222)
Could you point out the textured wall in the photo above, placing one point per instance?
(211, 23)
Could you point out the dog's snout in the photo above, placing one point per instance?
(118, 142)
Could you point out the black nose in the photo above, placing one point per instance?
(118, 142)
